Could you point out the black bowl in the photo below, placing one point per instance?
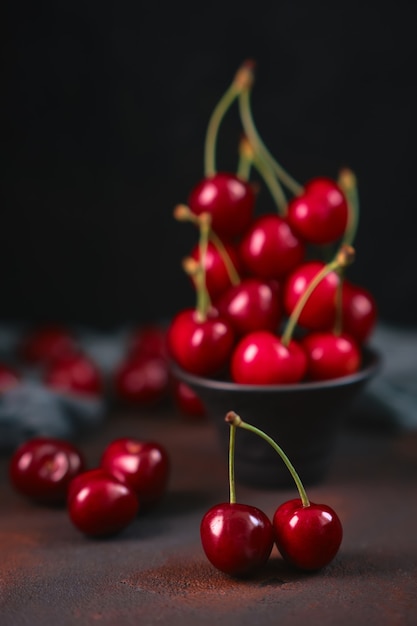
(304, 419)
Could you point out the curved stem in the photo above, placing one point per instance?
(213, 129)
(273, 184)
(232, 488)
(259, 146)
(235, 421)
(347, 183)
(244, 167)
(231, 270)
(338, 323)
(203, 298)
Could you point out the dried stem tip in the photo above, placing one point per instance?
(244, 77)
(191, 266)
(347, 179)
(233, 418)
(246, 149)
(182, 213)
(345, 256)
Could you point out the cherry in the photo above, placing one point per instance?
(187, 400)
(74, 373)
(142, 465)
(359, 311)
(330, 356)
(46, 343)
(270, 249)
(228, 199)
(251, 305)
(320, 214)
(261, 358)
(99, 504)
(148, 339)
(9, 378)
(308, 537)
(319, 311)
(43, 467)
(142, 379)
(218, 277)
(237, 538)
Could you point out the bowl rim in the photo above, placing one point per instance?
(373, 364)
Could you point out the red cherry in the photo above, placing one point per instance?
(142, 465)
(43, 467)
(270, 249)
(251, 305)
(148, 339)
(47, 343)
(320, 309)
(320, 214)
(142, 379)
(200, 347)
(99, 504)
(74, 373)
(330, 356)
(228, 199)
(9, 378)
(359, 311)
(237, 539)
(187, 400)
(260, 358)
(216, 274)
(307, 537)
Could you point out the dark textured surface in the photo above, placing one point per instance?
(155, 571)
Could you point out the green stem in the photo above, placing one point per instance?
(273, 184)
(347, 182)
(235, 421)
(338, 323)
(213, 128)
(259, 146)
(231, 270)
(244, 167)
(232, 488)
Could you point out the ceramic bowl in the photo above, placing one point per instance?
(304, 419)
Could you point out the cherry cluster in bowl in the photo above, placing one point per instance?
(273, 304)
(132, 476)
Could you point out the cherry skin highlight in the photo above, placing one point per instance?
(142, 379)
(359, 311)
(308, 537)
(270, 249)
(99, 505)
(200, 347)
(260, 358)
(142, 465)
(43, 467)
(330, 356)
(228, 199)
(74, 373)
(187, 400)
(237, 538)
(320, 214)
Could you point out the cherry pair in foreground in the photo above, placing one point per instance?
(238, 539)
(132, 475)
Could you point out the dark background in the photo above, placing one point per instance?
(104, 118)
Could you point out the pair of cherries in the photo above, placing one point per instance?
(238, 538)
(132, 475)
(252, 272)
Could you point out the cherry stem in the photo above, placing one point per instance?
(344, 257)
(243, 79)
(259, 146)
(338, 323)
(245, 159)
(235, 421)
(348, 184)
(232, 487)
(272, 183)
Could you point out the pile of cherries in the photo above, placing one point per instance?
(132, 476)
(238, 538)
(261, 279)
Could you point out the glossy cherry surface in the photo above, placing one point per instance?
(320, 309)
(142, 465)
(148, 339)
(99, 504)
(74, 373)
(217, 276)
(251, 305)
(228, 199)
(330, 356)
(9, 377)
(260, 358)
(270, 249)
(200, 347)
(43, 467)
(45, 343)
(359, 311)
(307, 537)
(187, 400)
(320, 214)
(237, 539)
(142, 379)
